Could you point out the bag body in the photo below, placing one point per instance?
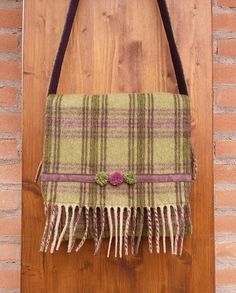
(116, 165)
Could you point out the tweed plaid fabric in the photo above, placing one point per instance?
(146, 136)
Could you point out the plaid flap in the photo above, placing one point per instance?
(143, 137)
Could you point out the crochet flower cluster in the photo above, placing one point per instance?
(115, 178)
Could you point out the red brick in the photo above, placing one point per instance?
(10, 70)
(10, 122)
(8, 200)
(226, 199)
(226, 97)
(224, 22)
(8, 43)
(227, 3)
(10, 18)
(9, 279)
(224, 73)
(225, 224)
(10, 173)
(7, 97)
(225, 277)
(225, 174)
(227, 48)
(8, 252)
(226, 250)
(225, 148)
(225, 122)
(8, 149)
(10, 226)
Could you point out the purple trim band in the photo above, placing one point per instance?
(164, 178)
(140, 178)
(67, 177)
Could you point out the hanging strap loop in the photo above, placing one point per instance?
(179, 73)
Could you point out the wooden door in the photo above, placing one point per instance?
(118, 46)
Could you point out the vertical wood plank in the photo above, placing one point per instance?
(117, 46)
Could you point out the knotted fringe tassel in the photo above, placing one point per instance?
(116, 230)
(127, 225)
(46, 212)
(56, 229)
(102, 231)
(194, 165)
(71, 229)
(121, 230)
(74, 230)
(110, 230)
(86, 230)
(64, 228)
(51, 227)
(182, 221)
(157, 230)
(170, 228)
(95, 226)
(149, 216)
(163, 228)
(133, 232)
(123, 223)
(177, 230)
(140, 230)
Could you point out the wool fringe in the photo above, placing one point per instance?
(95, 226)
(134, 224)
(75, 227)
(170, 229)
(116, 229)
(182, 221)
(97, 248)
(149, 219)
(121, 230)
(56, 229)
(64, 228)
(163, 228)
(126, 234)
(194, 165)
(46, 212)
(110, 231)
(71, 230)
(177, 230)
(122, 223)
(141, 218)
(157, 230)
(86, 230)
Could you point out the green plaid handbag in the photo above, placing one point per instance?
(117, 166)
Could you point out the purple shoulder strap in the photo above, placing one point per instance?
(178, 68)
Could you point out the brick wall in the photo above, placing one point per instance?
(10, 144)
(224, 71)
(224, 38)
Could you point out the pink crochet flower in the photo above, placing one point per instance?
(116, 178)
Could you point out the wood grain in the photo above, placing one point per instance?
(118, 46)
